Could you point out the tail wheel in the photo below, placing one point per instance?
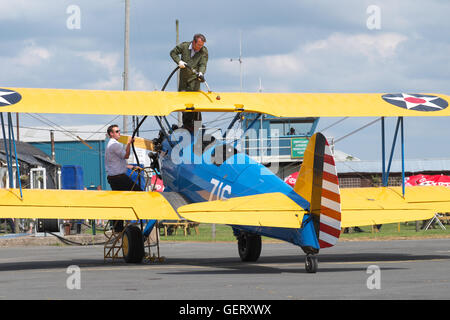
(133, 245)
(311, 263)
(249, 246)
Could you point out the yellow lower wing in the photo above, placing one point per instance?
(360, 206)
(275, 210)
(270, 210)
(369, 206)
(81, 204)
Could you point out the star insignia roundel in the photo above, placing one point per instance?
(418, 102)
(9, 97)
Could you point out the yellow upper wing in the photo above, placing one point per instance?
(370, 206)
(163, 103)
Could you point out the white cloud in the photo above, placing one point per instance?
(351, 60)
(111, 83)
(109, 75)
(372, 46)
(269, 65)
(276, 65)
(113, 78)
(108, 61)
(139, 82)
(31, 55)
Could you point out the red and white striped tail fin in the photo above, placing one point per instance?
(330, 213)
(317, 182)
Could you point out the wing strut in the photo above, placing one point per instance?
(385, 174)
(8, 152)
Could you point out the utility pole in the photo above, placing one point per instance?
(54, 173)
(17, 126)
(52, 140)
(126, 57)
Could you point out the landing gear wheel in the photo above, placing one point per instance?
(249, 246)
(311, 263)
(133, 245)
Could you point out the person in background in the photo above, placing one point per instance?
(116, 165)
(291, 132)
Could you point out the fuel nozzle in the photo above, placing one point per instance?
(199, 75)
(201, 78)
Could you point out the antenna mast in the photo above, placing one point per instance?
(240, 58)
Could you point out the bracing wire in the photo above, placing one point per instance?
(357, 130)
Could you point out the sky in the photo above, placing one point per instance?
(287, 46)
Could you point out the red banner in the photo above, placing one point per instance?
(290, 179)
(417, 180)
(428, 180)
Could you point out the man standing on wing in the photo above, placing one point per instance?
(195, 55)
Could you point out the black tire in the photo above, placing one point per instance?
(133, 245)
(311, 263)
(47, 225)
(249, 246)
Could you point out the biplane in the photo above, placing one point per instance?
(210, 181)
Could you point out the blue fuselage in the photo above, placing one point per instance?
(201, 175)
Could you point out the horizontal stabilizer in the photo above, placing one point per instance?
(359, 218)
(369, 206)
(267, 210)
(84, 204)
